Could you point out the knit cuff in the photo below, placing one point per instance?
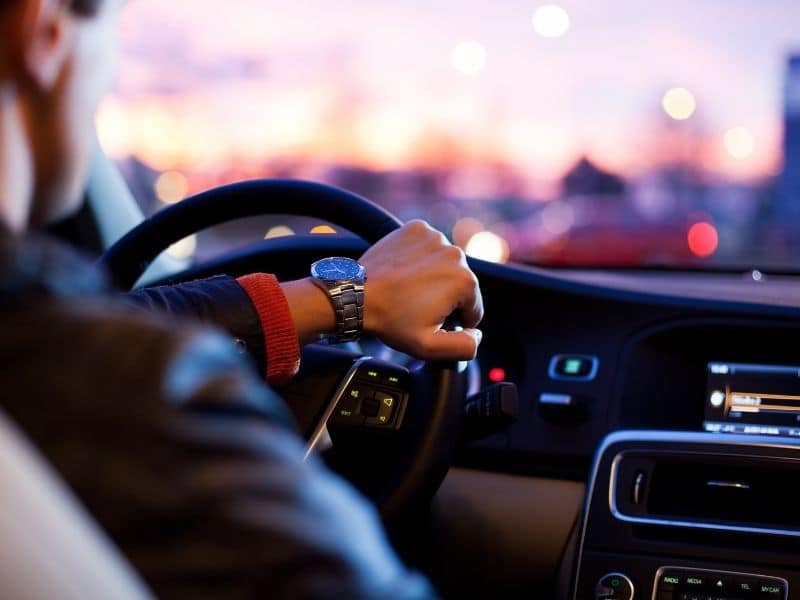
(280, 335)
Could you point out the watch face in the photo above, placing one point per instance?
(337, 268)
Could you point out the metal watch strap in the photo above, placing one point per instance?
(348, 303)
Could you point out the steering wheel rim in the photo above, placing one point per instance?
(128, 258)
(443, 385)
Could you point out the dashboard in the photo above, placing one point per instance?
(648, 353)
(680, 411)
(609, 365)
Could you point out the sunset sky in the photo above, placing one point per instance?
(209, 84)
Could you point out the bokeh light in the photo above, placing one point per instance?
(558, 217)
(497, 374)
(551, 21)
(112, 129)
(739, 142)
(679, 103)
(322, 230)
(464, 229)
(171, 187)
(278, 231)
(184, 249)
(469, 57)
(488, 246)
(703, 239)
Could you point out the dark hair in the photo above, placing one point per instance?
(85, 7)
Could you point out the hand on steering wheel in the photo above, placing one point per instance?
(422, 438)
(415, 280)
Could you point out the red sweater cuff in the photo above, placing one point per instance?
(280, 335)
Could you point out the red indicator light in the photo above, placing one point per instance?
(497, 375)
(703, 239)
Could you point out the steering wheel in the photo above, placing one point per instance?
(394, 429)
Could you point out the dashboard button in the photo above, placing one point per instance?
(770, 589)
(669, 580)
(573, 367)
(563, 408)
(557, 399)
(695, 581)
(745, 585)
(719, 584)
(614, 586)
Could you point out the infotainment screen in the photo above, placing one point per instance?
(755, 399)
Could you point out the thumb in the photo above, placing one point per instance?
(450, 345)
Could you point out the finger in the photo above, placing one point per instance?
(471, 307)
(450, 345)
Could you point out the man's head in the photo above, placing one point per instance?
(57, 60)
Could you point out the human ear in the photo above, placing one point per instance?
(47, 36)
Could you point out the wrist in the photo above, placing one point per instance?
(342, 281)
(279, 331)
(371, 309)
(311, 309)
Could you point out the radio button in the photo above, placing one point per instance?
(669, 580)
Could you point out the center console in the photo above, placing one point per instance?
(678, 515)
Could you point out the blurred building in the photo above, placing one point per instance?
(789, 186)
(587, 179)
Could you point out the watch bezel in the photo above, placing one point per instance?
(359, 277)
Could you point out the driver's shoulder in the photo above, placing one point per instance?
(65, 332)
(94, 353)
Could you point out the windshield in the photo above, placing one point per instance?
(583, 133)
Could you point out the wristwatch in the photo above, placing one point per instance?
(343, 280)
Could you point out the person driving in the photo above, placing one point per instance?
(158, 424)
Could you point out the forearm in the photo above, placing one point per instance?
(252, 309)
(219, 301)
(311, 309)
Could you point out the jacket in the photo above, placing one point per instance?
(170, 439)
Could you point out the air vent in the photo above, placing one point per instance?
(750, 494)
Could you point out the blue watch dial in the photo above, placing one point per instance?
(337, 268)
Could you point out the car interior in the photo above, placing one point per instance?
(628, 430)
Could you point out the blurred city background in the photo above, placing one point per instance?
(617, 133)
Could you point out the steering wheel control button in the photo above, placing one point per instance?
(382, 376)
(370, 407)
(614, 586)
(573, 367)
(384, 416)
(348, 411)
(372, 375)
